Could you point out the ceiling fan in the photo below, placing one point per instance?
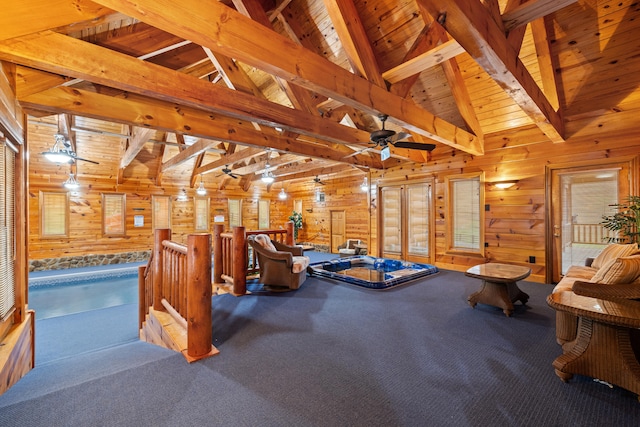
(62, 152)
(384, 137)
(227, 171)
(317, 180)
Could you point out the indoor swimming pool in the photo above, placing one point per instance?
(58, 293)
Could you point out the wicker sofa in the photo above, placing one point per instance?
(617, 264)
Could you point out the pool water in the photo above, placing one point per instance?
(91, 293)
(371, 272)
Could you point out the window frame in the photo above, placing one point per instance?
(450, 182)
(263, 214)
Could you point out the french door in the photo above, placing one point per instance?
(579, 197)
(406, 221)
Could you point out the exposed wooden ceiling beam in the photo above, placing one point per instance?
(61, 54)
(165, 116)
(530, 11)
(138, 138)
(354, 40)
(439, 54)
(239, 37)
(472, 26)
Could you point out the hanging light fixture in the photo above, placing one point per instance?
(59, 153)
(365, 184)
(282, 195)
(182, 197)
(71, 183)
(267, 175)
(201, 190)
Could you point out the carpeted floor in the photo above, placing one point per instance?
(329, 354)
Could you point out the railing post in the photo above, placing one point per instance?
(161, 235)
(142, 296)
(239, 261)
(218, 229)
(199, 335)
(290, 234)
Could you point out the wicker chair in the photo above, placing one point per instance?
(282, 267)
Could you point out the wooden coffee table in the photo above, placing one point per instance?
(499, 287)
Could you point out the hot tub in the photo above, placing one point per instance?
(371, 272)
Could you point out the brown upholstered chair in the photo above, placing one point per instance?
(348, 248)
(282, 267)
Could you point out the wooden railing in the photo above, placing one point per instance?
(177, 280)
(591, 234)
(233, 260)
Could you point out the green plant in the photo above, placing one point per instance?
(296, 217)
(626, 221)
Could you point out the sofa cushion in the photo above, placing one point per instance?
(581, 272)
(619, 270)
(613, 251)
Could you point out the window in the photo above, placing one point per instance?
(465, 198)
(7, 230)
(263, 215)
(201, 213)
(235, 213)
(54, 215)
(113, 214)
(161, 212)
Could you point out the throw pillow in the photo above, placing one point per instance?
(619, 270)
(613, 251)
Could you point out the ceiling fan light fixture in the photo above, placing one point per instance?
(282, 195)
(267, 175)
(57, 153)
(71, 183)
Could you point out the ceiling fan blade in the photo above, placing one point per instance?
(85, 160)
(398, 136)
(232, 175)
(414, 145)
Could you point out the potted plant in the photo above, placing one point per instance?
(296, 217)
(626, 221)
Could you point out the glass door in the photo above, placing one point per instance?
(406, 221)
(579, 198)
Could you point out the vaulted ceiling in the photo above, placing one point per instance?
(297, 84)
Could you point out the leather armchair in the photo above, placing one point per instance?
(282, 267)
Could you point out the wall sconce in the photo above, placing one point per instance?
(365, 184)
(503, 185)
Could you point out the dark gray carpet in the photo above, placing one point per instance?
(332, 354)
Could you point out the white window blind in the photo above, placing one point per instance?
(235, 213)
(161, 212)
(54, 214)
(465, 209)
(7, 230)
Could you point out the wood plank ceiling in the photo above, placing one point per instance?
(295, 84)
